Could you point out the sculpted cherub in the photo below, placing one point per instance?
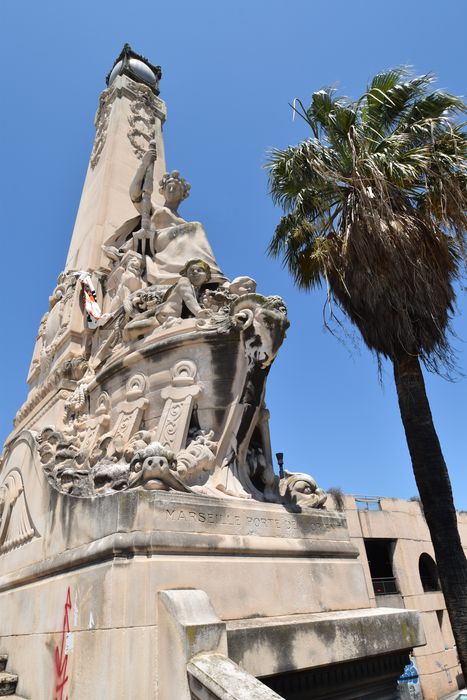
(241, 285)
(194, 275)
(185, 291)
(130, 281)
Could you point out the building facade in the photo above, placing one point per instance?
(398, 559)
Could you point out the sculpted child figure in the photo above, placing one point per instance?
(192, 277)
(130, 281)
(194, 274)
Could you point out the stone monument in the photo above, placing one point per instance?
(147, 547)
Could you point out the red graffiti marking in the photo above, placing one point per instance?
(61, 658)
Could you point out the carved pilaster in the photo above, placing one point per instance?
(179, 399)
(131, 410)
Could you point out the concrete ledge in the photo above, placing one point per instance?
(214, 677)
(122, 544)
(266, 646)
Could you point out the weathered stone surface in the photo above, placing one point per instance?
(292, 642)
(188, 625)
(8, 682)
(215, 677)
(155, 346)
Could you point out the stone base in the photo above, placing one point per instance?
(78, 603)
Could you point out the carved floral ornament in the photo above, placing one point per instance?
(101, 123)
(141, 123)
(144, 109)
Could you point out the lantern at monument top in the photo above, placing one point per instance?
(136, 67)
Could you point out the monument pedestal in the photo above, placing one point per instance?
(81, 599)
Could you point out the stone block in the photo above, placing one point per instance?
(188, 625)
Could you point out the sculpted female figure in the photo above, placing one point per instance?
(172, 240)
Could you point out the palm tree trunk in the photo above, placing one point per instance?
(434, 487)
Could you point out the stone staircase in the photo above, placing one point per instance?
(8, 681)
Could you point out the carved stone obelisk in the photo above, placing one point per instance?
(129, 116)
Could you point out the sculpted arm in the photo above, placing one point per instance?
(136, 187)
(186, 291)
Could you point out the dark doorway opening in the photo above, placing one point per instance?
(373, 678)
(379, 553)
(428, 573)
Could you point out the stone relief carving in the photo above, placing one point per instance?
(154, 468)
(143, 108)
(101, 122)
(302, 490)
(95, 454)
(85, 460)
(184, 293)
(162, 282)
(76, 405)
(16, 526)
(124, 281)
(54, 323)
(73, 310)
(179, 399)
(263, 322)
(67, 370)
(87, 453)
(199, 456)
(141, 119)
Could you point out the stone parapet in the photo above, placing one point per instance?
(265, 646)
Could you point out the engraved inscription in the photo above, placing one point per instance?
(203, 516)
(252, 524)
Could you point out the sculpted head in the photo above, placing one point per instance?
(242, 285)
(152, 466)
(134, 264)
(263, 321)
(302, 490)
(197, 271)
(153, 457)
(174, 189)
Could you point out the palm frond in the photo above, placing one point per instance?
(389, 97)
(433, 106)
(375, 204)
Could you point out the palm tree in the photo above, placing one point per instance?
(375, 208)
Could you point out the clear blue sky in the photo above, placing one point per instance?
(230, 68)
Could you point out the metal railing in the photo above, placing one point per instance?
(385, 586)
(368, 502)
